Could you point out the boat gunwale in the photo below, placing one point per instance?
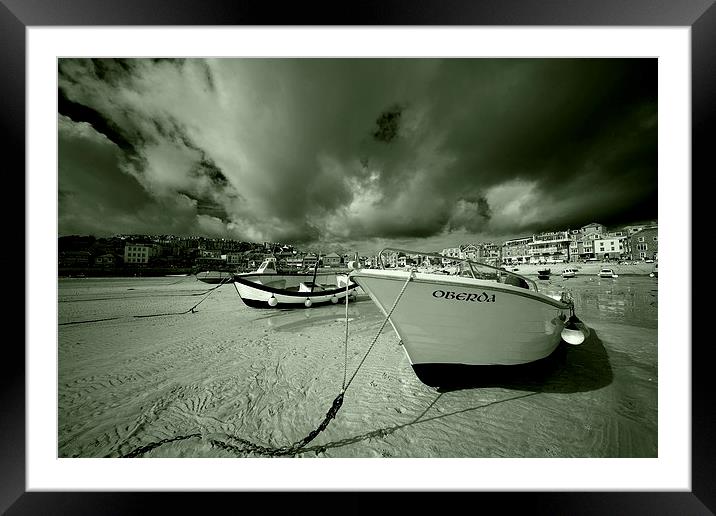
(499, 269)
(461, 280)
(290, 293)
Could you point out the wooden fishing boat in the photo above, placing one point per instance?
(267, 288)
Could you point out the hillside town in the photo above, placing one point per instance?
(164, 254)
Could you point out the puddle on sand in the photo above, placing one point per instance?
(301, 318)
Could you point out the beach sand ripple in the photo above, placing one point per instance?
(180, 385)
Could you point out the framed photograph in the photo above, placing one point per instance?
(523, 138)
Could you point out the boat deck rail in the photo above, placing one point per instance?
(472, 265)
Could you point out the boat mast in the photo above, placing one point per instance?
(315, 270)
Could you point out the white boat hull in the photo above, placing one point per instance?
(287, 291)
(466, 321)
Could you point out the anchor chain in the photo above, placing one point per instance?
(248, 446)
(284, 450)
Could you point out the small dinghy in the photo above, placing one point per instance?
(606, 272)
(569, 273)
(267, 288)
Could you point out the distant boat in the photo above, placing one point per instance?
(176, 275)
(214, 276)
(483, 317)
(606, 272)
(569, 272)
(544, 273)
(267, 288)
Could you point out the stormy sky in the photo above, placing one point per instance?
(358, 153)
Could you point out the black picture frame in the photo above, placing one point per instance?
(17, 15)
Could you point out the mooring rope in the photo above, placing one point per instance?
(206, 294)
(345, 346)
(292, 449)
(184, 279)
(385, 321)
(210, 291)
(90, 321)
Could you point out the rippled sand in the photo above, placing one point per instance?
(206, 383)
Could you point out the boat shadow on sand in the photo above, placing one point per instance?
(568, 369)
(581, 368)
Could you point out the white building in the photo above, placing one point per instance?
(610, 247)
(550, 247)
(516, 250)
(139, 253)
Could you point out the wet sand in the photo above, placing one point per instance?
(206, 383)
(588, 269)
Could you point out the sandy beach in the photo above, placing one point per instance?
(141, 375)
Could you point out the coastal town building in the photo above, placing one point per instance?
(470, 252)
(332, 260)
(390, 259)
(106, 260)
(582, 242)
(234, 259)
(644, 244)
(576, 245)
(209, 263)
(549, 247)
(635, 228)
(370, 261)
(294, 262)
(516, 251)
(75, 259)
(593, 230)
(121, 254)
(450, 252)
(490, 252)
(210, 253)
(309, 261)
(609, 248)
(140, 253)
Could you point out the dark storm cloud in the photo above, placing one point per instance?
(388, 125)
(171, 130)
(209, 76)
(81, 113)
(347, 149)
(112, 71)
(95, 193)
(549, 123)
